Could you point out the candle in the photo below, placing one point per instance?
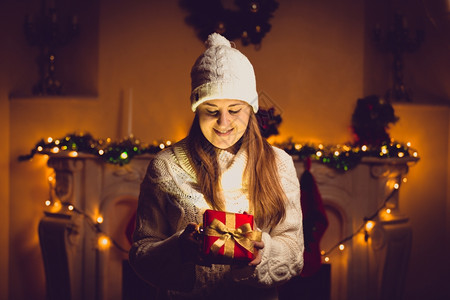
(130, 113)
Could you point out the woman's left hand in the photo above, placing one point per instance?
(257, 258)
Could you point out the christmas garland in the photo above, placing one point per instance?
(339, 157)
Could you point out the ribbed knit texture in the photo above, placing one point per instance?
(168, 202)
(222, 72)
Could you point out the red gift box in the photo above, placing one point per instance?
(228, 237)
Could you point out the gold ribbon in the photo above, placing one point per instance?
(228, 235)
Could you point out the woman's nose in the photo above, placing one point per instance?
(223, 119)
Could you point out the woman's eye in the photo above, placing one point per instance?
(212, 112)
(233, 112)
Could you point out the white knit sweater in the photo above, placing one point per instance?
(168, 202)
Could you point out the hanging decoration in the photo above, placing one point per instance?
(248, 20)
(366, 226)
(339, 157)
(112, 152)
(268, 121)
(315, 221)
(371, 119)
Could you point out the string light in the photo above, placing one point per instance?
(340, 157)
(104, 242)
(369, 225)
(366, 227)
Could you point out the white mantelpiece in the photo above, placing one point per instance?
(373, 269)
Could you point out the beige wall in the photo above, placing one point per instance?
(424, 196)
(313, 65)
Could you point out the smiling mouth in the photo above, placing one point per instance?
(223, 132)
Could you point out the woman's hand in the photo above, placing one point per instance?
(257, 258)
(190, 244)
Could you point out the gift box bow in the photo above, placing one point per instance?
(228, 236)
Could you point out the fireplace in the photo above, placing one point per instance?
(99, 200)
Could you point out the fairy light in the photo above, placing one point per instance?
(401, 154)
(415, 154)
(56, 207)
(168, 143)
(55, 149)
(48, 203)
(364, 148)
(326, 259)
(298, 146)
(49, 139)
(99, 219)
(396, 186)
(70, 207)
(388, 210)
(369, 225)
(319, 153)
(124, 155)
(336, 153)
(341, 247)
(73, 153)
(405, 180)
(103, 242)
(101, 152)
(39, 148)
(408, 144)
(162, 146)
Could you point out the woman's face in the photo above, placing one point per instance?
(223, 122)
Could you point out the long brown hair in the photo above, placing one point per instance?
(267, 198)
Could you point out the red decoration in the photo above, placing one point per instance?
(315, 221)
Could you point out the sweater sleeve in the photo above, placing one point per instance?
(155, 253)
(282, 256)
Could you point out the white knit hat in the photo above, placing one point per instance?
(222, 72)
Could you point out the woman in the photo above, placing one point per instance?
(223, 164)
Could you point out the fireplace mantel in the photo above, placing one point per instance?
(370, 267)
